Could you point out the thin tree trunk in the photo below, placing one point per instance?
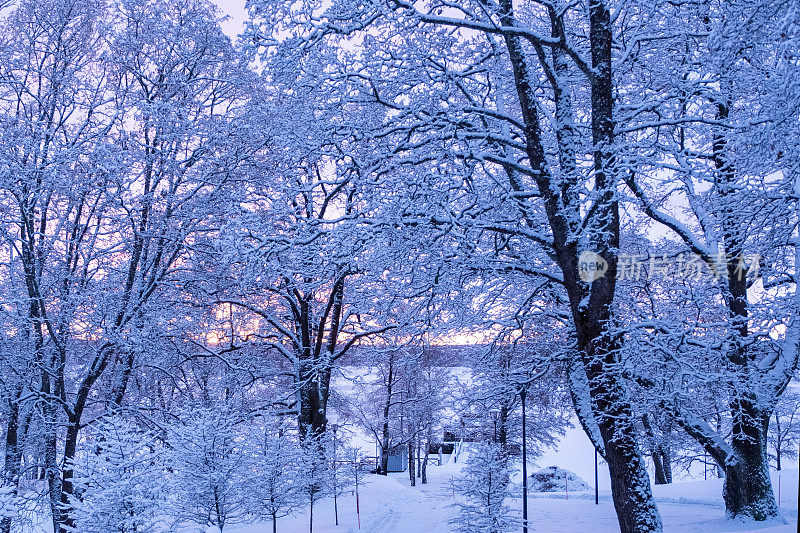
(386, 408)
(655, 451)
(411, 472)
(666, 463)
(424, 468)
(11, 466)
(419, 457)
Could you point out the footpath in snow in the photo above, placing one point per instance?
(390, 505)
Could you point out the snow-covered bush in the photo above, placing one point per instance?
(278, 476)
(120, 479)
(211, 464)
(555, 479)
(314, 478)
(484, 486)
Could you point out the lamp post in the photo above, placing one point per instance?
(335, 503)
(705, 465)
(494, 413)
(596, 488)
(522, 393)
(357, 465)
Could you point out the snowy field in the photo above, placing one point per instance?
(390, 505)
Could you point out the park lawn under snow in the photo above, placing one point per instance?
(389, 504)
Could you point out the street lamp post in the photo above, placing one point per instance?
(596, 488)
(522, 393)
(705, 465)
(495, 414)
(335, 503)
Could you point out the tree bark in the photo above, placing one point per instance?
(423, 469)
(386, 409)
(13, 456)
(411, 472)
(666, 463)
(591, 301)
(747, 489)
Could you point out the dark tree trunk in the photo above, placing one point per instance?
(591, 300)
(666, 463)
(386, 409)
(661, 478)
(655, 452)
(411, 472)
(502, 427)
(11, 466)
(747, 490)
(423, 469)
(419, 456)
(316, 357)
(51, 470)
(630, 483)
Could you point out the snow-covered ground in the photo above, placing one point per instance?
(390, 505)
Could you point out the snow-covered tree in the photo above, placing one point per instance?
(121, 479)
(484, 488)
(277, 472)
(487, 99)
(212, 468)
(314, 479)
(723, 185)
(117, 146)
(784, 429)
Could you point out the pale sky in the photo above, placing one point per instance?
(235, 10)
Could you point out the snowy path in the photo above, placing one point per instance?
(390, 505)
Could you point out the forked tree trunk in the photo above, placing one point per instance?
(590, 300)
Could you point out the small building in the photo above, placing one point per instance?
(397, 459)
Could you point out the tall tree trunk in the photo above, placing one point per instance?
(51, 470)
(386, 409)
(419, 456)
(666, 463)
(411, 471)
(747, 490)
(591, 300)
(655, 451)
(13, 455)
(423, 469)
